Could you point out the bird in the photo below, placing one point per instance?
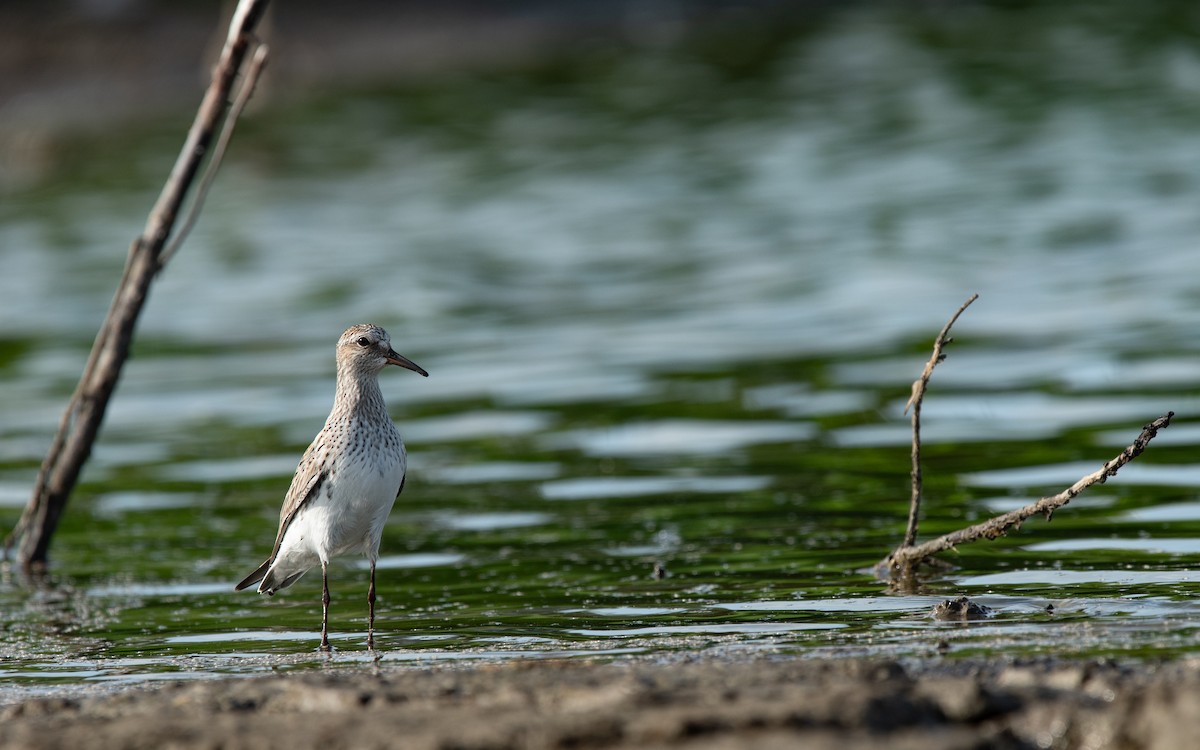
(347, 480)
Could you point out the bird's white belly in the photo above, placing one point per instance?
(349, 513)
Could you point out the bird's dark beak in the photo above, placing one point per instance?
(401, 361)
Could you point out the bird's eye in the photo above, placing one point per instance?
(364, 342)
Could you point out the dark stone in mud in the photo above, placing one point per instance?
(705, 703)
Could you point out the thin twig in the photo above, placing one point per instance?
(245, 91)
(905, 558)
(914, 403)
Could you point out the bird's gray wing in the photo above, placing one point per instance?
(306, 485)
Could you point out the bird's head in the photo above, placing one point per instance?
(368, 348)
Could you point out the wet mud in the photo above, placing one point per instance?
(705, 703)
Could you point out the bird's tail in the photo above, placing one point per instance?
(254, 577)
(270, 580)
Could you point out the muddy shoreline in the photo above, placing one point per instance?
(697, 703)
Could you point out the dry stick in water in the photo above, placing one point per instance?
(914, 403)
(905, 558)
(81, 420)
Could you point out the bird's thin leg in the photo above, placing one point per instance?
(371, 610)
(325, 606)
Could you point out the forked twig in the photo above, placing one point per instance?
(914, 403)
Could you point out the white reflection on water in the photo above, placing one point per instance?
(1050, 577)
(134, 501)
(1066, 474)
(492, 521)
(800, 400)
(475, 424)
(855, 604)
(627, 611)
(255, 635)
(489, 472)
(1179, 433)
(1056, 412)
(749, 628)
(1189, 511)
(589, 488)
(1028, 415)
(1160, 546)
(15, 494)
(675, 436)
(416, 560)
(162, 589)
(231, 469)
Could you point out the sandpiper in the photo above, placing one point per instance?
(347, 480)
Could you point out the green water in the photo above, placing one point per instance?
(671, 299)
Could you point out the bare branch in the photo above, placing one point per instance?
(914, 403)
(905, 558)
(81, 420)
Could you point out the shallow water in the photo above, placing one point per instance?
(671, 299)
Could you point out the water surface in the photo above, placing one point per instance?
(670, 299)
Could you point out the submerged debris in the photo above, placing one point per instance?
(961, 608)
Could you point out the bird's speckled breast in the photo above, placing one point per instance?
(364, 478)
